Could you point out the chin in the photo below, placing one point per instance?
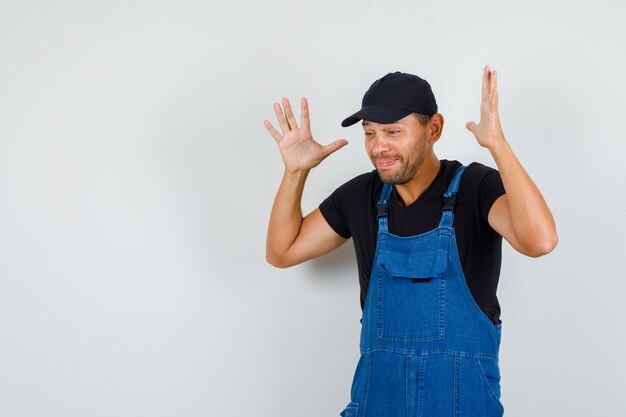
(391, 178)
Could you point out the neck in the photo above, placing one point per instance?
(424, 176)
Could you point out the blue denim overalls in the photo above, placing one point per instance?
(427, 350)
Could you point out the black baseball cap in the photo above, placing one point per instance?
(394, 96)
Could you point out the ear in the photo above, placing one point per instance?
(435, 127)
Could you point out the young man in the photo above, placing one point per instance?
(427, 235)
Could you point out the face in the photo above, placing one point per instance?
(397, 150)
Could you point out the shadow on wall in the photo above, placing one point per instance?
(341, 262)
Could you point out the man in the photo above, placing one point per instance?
(427, 235)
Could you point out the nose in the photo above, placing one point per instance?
(380, 145)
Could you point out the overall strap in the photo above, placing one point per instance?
(449, 198)
(383, 203)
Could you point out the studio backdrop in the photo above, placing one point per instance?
(137, 179)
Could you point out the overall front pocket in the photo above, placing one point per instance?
(479, 392)
(411, 306)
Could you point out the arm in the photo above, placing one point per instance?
(292, 239)
(521, 216)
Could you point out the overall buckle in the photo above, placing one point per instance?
(382, 210)
(448, 202)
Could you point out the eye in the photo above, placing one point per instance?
(368, 134)
(393, 132)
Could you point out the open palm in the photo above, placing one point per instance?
(298, 149)
(488, 131)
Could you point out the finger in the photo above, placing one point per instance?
(493, 100)
(334, 146)
(282, 122)
(304, 114)
(485, 96)
(471, 126)
(289, 113)
(277, 137)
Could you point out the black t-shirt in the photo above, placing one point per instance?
(351, 211)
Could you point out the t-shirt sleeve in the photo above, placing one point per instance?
(489, 190)
(335, 209)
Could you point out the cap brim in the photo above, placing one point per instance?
(377, 114)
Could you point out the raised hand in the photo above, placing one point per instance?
(297, 147)
(488, 131)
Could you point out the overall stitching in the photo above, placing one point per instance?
(456, 386)
(406, 385)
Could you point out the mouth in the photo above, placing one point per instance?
(382, 163)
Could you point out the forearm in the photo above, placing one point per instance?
(531, 218)
(286, 217)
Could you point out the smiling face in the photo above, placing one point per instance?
(397, 149)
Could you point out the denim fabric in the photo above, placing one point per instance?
(427, 350)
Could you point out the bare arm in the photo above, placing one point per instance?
(292, 239)
(521, 216)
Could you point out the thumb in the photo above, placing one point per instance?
(471, 126)
(334, 146)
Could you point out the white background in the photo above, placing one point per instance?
(136, 180)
